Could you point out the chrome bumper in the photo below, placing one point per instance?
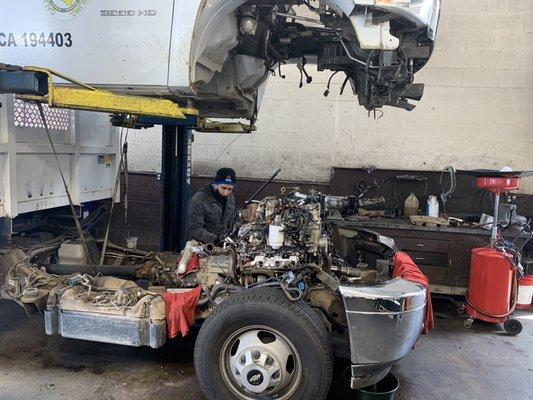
(384, 323)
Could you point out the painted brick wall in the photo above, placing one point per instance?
(477, 111)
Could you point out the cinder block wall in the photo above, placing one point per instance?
(477, 111)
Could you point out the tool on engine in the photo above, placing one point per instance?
(252, 198)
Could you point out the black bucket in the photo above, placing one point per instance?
(385, 389)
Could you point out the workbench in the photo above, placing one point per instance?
(442, 253)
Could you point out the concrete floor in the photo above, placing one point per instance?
(451, 363)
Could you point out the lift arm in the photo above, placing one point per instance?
(36, 84)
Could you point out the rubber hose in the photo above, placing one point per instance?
(66, 269)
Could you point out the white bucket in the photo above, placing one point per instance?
(525, 293)
(131, 242)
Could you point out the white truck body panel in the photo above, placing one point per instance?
(88, 151)
(112, 44)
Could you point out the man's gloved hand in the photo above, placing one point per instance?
(219, 240)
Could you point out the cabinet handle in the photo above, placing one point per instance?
(419, 245)
(419, 258)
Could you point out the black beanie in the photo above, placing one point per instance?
(225, 176)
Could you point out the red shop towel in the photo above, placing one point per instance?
(405, 268)
(181, 308)
(194, 265)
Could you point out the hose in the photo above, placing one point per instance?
(45, 247)
(212, 295)
(287, 291)
(64, 269)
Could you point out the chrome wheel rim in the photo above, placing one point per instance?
(260, 361)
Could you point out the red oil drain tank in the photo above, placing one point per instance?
(490, 289)
(493, 285)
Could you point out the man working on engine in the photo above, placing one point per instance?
(212, 209)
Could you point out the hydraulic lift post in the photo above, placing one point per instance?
(174, 187)
(175, 180)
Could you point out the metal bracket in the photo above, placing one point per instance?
(6, 229)
(223, 127)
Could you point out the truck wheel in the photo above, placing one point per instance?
(259, 345)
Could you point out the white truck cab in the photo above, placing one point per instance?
(218, 54)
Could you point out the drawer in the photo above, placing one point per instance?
(430, 245)
(434, 274)
(426, 258)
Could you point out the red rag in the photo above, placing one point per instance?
(194, 265)
(181, 308)
(405, 268)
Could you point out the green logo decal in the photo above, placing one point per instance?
(65, 9)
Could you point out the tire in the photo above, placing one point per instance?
(512, 326)
(261, 324)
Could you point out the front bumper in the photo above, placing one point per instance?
(384, 323)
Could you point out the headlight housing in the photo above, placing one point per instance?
(423, 13)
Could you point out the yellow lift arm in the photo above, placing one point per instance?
(88, 98)
(37, 84)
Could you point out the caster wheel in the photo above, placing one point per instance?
(461, 310)
(512, 326)
(467, 323)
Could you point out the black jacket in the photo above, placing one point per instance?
(208, 222)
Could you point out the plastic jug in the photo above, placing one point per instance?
(411, 205)
(433, 207)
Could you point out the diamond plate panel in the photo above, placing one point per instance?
(27, 115)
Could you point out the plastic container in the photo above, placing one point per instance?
(385, 389)
(131, 242)
(433, 207)
(72, 253)
(411, 206)
(276, 237)
(525, 293)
